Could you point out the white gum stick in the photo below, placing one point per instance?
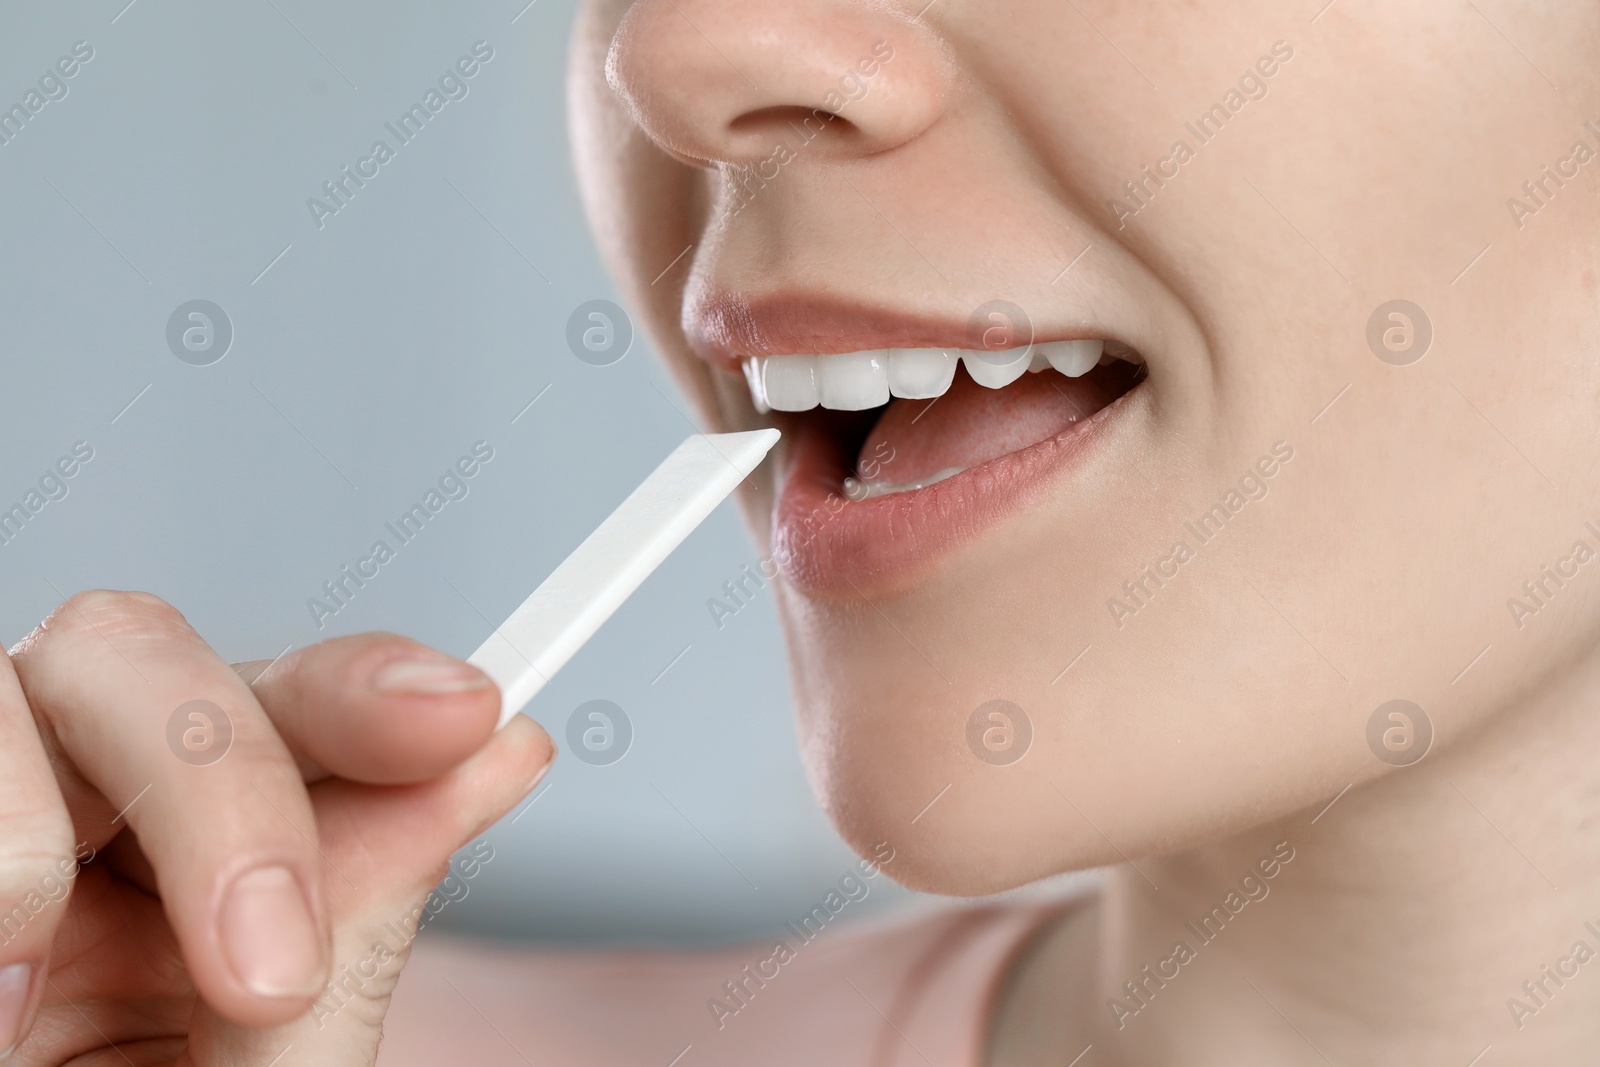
(581, 594)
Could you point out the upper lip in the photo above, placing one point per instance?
(724, 328)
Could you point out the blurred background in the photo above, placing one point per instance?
(353, 345)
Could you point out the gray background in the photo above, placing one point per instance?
(421, 318)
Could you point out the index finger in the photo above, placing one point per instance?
(167, 731)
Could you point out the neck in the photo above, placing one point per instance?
(1434, 912)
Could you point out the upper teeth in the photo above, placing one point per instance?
(854, 381)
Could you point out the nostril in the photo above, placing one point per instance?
(806, 121)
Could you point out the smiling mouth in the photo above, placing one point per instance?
(896, 456)
(995, 402)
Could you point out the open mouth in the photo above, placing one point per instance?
(897, 455)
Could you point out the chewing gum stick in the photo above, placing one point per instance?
(579, 595)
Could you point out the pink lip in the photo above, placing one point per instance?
(826, 544)
(724, 328)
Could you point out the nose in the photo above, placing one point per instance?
(726, 81)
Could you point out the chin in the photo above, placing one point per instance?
(977, 847)
(890, 757)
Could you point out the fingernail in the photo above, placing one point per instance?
(538, 776)
(16, 982)
(428, 676)
(269, 936)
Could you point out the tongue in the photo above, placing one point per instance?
(916, 440)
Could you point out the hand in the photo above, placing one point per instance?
(217, 897)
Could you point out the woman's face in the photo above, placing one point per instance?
(1192, 584)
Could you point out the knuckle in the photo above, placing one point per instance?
(36, 849)
(112, 606)
(112, 613)
(33, 821)
(22, 866)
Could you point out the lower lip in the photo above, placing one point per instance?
(824, 542)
